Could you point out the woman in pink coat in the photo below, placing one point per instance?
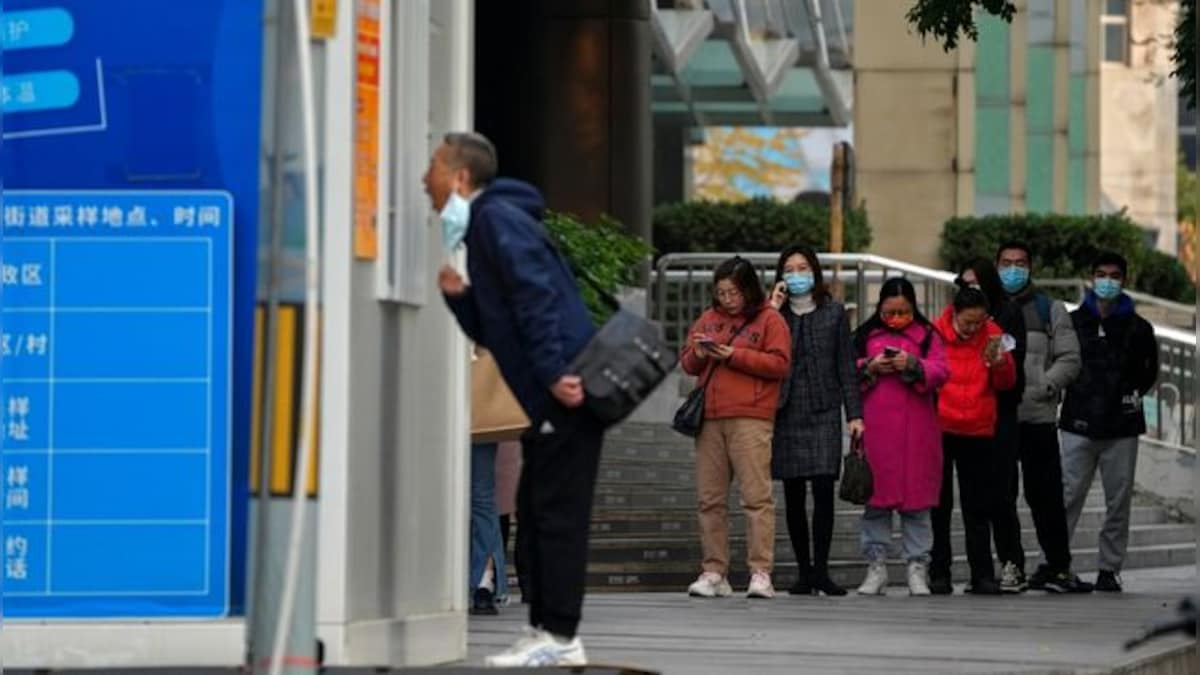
(901, 362)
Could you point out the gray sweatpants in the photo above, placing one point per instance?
(1117, 459)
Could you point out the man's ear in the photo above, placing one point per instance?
(462, 178)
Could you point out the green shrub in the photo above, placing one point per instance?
(1163, 275)
(757, 225)
(1064, 247)
(609, 255)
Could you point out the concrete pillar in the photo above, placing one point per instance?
(395, 397)
(1092, 52)
(1062, 80)
(1018, 72)
(1078, 112)
(569, 110)
(913, 131)
(965, 157)
(670, 146)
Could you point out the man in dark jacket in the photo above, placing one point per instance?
(1102, 416)
(523, 305)
(1051, 364)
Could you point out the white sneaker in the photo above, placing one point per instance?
(760, 586)
(918, 579)
(536, 649)
(876, 581)
(710, 585)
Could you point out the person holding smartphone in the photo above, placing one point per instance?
(1006, 528)
(981, 366)
(901, 364)
(822, 385)
(740, 350)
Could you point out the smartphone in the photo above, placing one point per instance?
(706, 342)
(891, 352)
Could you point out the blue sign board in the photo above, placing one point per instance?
(129, 210)
(115, 402)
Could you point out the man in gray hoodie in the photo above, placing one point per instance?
(1052, 362)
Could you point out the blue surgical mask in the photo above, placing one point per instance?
(799, 283)
(456, 214)
(1013, 278)
(1107, 289)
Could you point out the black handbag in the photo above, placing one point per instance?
(625, 360)
(622, 364)
(690, 416)
(858, 483)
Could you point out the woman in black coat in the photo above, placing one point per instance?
(808, 427)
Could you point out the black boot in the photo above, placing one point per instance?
(821, 583)
(803, 585)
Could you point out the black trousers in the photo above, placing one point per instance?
(1006, 528)
(1041, 469)
(554, 510)
(974, 458)
(795, 496)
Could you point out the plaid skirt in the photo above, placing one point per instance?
(807, 444)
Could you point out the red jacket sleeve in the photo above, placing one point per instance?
(1004, 375)
(773, 359)
(692, 364)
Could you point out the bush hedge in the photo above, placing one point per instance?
(755, 225)
(611, 256)
(1064, 247)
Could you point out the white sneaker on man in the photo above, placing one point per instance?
(760, 586)
(918, 579)
(536, 649)
(710, 585)
(876, 581)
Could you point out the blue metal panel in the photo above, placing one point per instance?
(130, 208)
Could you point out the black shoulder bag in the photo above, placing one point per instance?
(625, 360)
(690, 416)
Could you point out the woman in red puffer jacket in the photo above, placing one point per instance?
(980, 365)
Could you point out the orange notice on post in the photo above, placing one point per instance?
(366, 132)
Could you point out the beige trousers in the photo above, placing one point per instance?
(738, 447)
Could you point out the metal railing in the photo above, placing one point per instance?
(681, 289)
(682, 284)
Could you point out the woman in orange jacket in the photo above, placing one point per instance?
(980, 365)
(742, 349)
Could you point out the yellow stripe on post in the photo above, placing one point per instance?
(256, 411)
(283, 443)
(311, 489)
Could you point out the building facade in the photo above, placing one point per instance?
(1064, 109)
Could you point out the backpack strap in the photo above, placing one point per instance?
(1041, 302)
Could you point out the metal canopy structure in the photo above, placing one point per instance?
(752, 62)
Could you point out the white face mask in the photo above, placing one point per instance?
(455, 216)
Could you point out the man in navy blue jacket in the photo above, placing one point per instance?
(1102, 416)
(523, 305)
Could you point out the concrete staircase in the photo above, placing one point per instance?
(644, 529)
